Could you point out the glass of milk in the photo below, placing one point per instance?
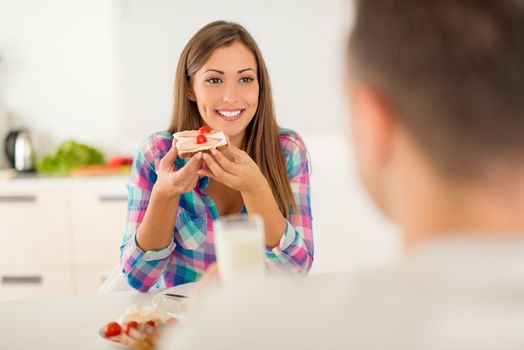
(239, 247)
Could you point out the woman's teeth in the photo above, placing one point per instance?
(229, 114)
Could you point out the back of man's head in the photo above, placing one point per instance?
(452, 71)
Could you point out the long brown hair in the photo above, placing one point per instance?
(261, 139)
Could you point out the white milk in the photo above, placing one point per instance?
(239, 246)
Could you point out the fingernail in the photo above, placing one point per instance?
(213, 151)
(199, 155)
(205, 156)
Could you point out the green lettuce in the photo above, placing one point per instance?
(68, 156)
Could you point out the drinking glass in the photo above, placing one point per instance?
(239, 247)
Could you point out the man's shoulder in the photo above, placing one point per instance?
(419, 300)
(293, 313)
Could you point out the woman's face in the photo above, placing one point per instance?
(226, 90)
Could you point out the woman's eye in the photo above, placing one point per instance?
(214, 80)
(246, 80)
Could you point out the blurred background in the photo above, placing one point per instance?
(83, 82)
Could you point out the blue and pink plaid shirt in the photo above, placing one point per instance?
(192, 249)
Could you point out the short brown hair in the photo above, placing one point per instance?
(452, 71)
(261, 140)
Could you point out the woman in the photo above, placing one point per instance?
(221, 82)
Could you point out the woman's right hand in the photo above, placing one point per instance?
(172, 182)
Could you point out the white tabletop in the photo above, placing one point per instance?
(64, 323)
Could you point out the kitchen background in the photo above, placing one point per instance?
(101, 72)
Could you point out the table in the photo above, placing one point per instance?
(67, 322)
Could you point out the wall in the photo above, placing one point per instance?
(301, 40)
(102, 71)
(348, 231)
(58, 69)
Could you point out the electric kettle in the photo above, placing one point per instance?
(19, 150)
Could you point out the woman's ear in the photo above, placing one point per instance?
(191, 94)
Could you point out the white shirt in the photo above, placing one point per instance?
(463, 294)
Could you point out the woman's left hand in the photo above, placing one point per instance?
(234, 168)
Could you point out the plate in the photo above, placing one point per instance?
(141, 340)
(175, 306)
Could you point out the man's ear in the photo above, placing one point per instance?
(191, 94)
(372, 125)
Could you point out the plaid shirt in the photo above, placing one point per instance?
(192, 249)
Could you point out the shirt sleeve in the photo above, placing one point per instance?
(142, 269)
(294, 253)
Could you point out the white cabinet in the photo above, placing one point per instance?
(59, 237)
(98, 217)
(32, 227)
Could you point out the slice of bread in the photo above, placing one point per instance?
(187, 143)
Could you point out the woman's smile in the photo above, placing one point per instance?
(230, 114)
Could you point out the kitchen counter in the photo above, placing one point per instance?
(13, 181)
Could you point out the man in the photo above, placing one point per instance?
(437, 95)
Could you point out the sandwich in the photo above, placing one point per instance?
(204, 139)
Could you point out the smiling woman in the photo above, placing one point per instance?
(221, 83)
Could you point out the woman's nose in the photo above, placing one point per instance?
(230, 94)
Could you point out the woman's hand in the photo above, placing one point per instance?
(234, 168)
(173, 182)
